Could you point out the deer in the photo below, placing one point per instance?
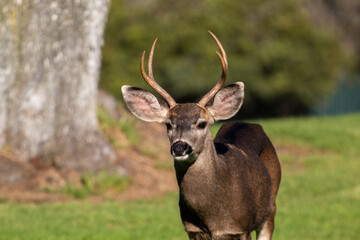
(227, 185)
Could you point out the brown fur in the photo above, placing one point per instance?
(230, 189)
(228, 185)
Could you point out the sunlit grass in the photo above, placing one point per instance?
(146, 219)
(322, 199)
(319, 196)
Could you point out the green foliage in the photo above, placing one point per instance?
(109, 125)
(319, 195)
(127, 126)
(93, 184)
(272, 47)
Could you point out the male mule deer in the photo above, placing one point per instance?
(227, 186)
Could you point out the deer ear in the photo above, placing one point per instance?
(144, 105)
(227, 101)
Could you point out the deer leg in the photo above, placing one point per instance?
(266, 230)
(245, 236)
(198, 236)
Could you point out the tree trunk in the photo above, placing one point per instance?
(49, 69)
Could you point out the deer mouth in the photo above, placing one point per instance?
(181, 158)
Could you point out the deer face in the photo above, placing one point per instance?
(187, 127)
(187, 124)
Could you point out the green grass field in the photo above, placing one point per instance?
(319, 196)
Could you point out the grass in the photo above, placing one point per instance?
(148, 220)
(109, 125)
(320, 200)
(319, 196)
(93, 184)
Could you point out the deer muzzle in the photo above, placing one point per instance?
(181, 150)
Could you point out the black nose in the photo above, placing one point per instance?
(180, 148)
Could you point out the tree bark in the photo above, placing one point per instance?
(49, 70)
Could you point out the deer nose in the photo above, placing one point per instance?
(180, 148)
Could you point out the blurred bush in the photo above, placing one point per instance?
(285, 62)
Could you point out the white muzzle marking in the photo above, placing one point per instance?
(181, 158)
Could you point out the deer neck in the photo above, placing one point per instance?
(202, 167)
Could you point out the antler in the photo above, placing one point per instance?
(219, 84)
(150, 78)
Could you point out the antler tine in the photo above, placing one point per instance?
(219, 84)
(150, 79)
(151, 59)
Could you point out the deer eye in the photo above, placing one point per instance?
(201, 125)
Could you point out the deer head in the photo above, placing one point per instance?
(187, 124)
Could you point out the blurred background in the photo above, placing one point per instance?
(75, 164)
(295, 57)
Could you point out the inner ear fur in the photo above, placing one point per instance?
(144, 104)
(227, 101)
